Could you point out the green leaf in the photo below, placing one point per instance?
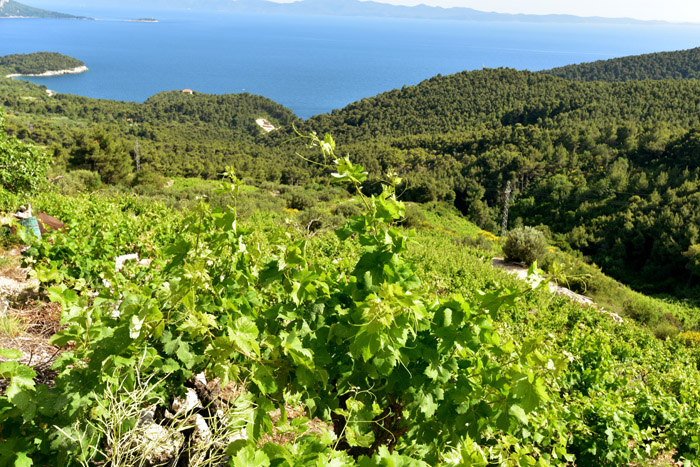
(530, 394)
(250, 457)
(265, 380)
(23, 460)
(519, 413)
(428, 405)
(135, 325)
(12, 354)
(185, 355)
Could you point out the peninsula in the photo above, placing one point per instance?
(69, 71)
(12, 9)
(39, 64)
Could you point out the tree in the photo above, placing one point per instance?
(23, 167)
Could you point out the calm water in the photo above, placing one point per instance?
(309, 64)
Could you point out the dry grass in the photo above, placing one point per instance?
(11, 326)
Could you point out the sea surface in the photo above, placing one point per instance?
(309, 64)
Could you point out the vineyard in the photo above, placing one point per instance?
(269, 340)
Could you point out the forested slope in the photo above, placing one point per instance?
(15, 9)
(502, 97)
(681, 64)
(36, 63)
(177, 133)
(608, 168)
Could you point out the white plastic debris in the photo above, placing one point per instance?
(24, 212)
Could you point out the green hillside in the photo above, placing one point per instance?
(607, 168)
(681, 64)
(380, 345)
(36, 63)
(316, 302)
(10, 8)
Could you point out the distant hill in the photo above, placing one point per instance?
(36, 63)
(376, 9)
(350, 8)
(12, 9)
(682, 64)
(497, 97)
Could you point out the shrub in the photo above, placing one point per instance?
(299, 200)
(314, 219)
(329, 193)
(78, 181)
(525, 244)
(348, 210)
(148, 177)
(643, 311)
(414, 217)
(23, 167)
(665, 330)
(483, 240)
(690, 338)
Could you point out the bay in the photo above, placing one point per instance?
(309, 64)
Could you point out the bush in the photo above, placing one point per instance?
(23, 167)
(642, 311)
(348, 210)
(329, 193)
(483, 240)
(8, 201)
(665, 330)
(313, 219)
(414, 217)
(525, 244)
(78, 181)
(690, 338)
(299, 200)
(148, 177)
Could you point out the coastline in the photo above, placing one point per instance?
(69, 71)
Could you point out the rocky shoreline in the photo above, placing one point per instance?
(70, 71)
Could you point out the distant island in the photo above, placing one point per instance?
(376, 9)
(39, 64)
(359, 8)
(12, 9)
(141, 20)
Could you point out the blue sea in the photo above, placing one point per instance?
(311, 65)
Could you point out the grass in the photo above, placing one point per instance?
(454, 252)
(11, 326)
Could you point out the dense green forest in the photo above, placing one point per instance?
(681, 64)
(36, 63)
(605, 168)
(608, 168)
(16, 9)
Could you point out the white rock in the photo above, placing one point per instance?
(146, 417)
(120, 260)
(163, 443)
(189, 403)
(201, 378)
(201, 429)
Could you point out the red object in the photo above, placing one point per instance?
(48, 223)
